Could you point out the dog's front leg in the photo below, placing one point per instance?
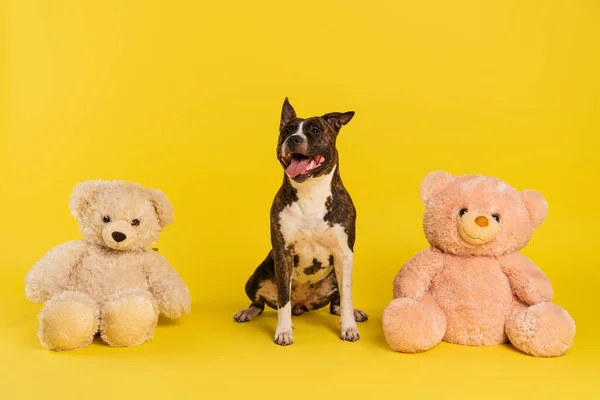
(284, 264)
(343, 263)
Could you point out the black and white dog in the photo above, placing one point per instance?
(312, 230)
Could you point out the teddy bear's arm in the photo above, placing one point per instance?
(168, 288)
(414, 279)
(49, 274)
(527, 281)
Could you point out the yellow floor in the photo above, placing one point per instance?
(207, 355)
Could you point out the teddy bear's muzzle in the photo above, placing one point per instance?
(119, 235)
(478, 229)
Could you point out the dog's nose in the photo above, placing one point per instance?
(119, 236)
(296, 140)
(482, 221)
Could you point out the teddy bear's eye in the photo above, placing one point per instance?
(106, 219)
(463, 211)
(496, 217)
(135, 222)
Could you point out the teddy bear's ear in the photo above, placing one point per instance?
(434, 183)
(82, 196)
(536, 205)
(163, 207)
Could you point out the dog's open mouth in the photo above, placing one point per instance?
(298, 164)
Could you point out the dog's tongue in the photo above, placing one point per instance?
(297, 166)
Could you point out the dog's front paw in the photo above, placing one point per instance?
(350, 334)
(283, 338)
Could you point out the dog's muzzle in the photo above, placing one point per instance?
(295, 144)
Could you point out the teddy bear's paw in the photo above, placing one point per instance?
(68, 321)
(36, 292)
(350, 334)
(175, 310)
(129, 320)
(542, 330)
(283, 338)
(176, 305)
(411, 326)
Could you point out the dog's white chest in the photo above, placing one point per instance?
(304, 228)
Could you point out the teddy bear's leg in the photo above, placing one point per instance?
(412, 326)
(542, 330)
(68, 321)
(129, 318)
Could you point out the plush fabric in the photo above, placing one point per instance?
(473, 287)
(111, 282)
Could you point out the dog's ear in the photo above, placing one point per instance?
(287, 113)
(337, 120)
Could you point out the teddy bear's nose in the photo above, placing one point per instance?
(119, 236)
(480, 221)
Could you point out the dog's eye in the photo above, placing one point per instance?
(285, 131)
(135, 222)
(496, 217)
(315, 130)
(106, 219)
(462, 212)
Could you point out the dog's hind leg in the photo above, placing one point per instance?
(249, 313)
(334, 308)
(299, 309)
(260, 288)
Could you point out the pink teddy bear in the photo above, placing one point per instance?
(473, 287)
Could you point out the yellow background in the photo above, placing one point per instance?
(185, 96)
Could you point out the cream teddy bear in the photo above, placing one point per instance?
(111, 282)
(472, 286)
